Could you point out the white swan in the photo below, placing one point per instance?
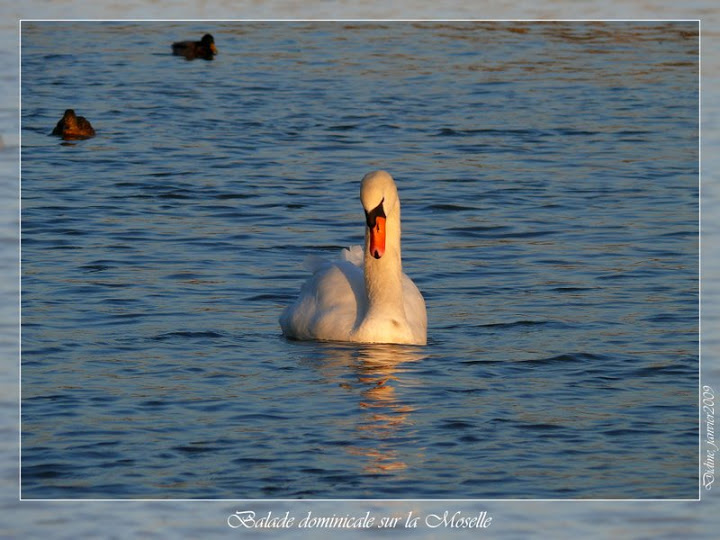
(364, 297)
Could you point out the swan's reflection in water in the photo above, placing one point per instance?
(385, 429)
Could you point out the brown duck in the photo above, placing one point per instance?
(71, 126)
(205, 48)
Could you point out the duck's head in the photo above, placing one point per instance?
(69, 120)
(209, 42)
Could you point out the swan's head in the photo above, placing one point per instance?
(379, 199)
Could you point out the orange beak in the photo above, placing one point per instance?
(377, 238)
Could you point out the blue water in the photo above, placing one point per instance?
(549, 181)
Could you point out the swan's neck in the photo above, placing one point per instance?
(383, 276)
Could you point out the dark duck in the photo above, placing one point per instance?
(205, 48)
(71, 126)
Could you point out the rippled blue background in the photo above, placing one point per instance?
(548, 174)
(520, 519)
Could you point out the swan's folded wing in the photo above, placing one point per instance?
(313, 263)
(327, 307)
(354, 255)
